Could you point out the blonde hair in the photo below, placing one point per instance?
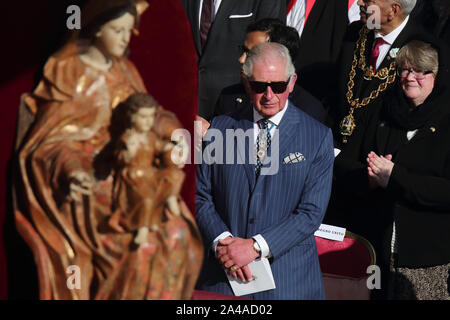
(419, 55)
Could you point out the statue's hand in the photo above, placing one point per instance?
(172, 204)
(80, 183)
(180, 152)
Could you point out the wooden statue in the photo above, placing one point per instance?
(140, 186)
(64, 189)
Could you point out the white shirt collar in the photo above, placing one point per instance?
(391, 36)
(276, 119)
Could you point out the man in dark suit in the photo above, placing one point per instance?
(217, 34)
(270, 207)
(368, 61)
(270, 30)
(322, 31)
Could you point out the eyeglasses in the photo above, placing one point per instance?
(404, 73)
(261, 87)
(243, 49)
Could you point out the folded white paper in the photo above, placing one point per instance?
(262, 279)
(330, 232)
(336, 152)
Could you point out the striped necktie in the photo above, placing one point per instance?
(262, 144)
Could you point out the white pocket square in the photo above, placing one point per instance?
(237, 16)
(294, 158)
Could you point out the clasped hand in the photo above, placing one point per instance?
(235, 254)
(379, 169)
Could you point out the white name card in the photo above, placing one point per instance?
(330, 232)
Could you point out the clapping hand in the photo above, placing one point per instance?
(379, 169)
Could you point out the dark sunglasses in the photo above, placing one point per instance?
(261, 87)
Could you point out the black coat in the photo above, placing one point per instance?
(434, 15)
(235, 97)
(362, 87)
(320, 45)
(417, 197)
(218, 61)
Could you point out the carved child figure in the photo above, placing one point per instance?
(145, 182)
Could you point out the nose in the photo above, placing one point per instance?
(126, 36)
(268, 93)
(410, 76)
(360, 3)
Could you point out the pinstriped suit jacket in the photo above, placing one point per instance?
(285, 208)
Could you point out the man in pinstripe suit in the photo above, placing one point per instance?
(246, 211)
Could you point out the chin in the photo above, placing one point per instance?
(269, 112)
(118, 53)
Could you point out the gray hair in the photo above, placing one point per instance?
(268, 51)
(407, 5)
(419, 55)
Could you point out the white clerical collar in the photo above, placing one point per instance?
(391, 36)
(276, 119)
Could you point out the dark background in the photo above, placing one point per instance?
(165, 56)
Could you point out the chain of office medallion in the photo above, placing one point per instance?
(354, 104)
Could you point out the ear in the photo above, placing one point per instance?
(292, 82)
(396, 10)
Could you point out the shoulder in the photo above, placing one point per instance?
(230, 119)
(236, 89)
(305, 123)
(304, 100)
(352, 33)
(226, 120)
(230, 98)
(63, 70)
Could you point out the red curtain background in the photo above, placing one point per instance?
(164, 54)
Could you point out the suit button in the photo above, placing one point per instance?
(252, 221)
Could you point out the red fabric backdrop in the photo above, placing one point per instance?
(163, 53)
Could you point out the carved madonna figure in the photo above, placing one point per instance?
(65, 185)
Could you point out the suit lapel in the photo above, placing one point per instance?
(285, 129)
(246, 123)
(221, 17)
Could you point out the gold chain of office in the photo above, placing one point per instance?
(348, 123)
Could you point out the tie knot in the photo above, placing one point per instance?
(263, 123)
(379, 42)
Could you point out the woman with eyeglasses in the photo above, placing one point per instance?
(393, 180)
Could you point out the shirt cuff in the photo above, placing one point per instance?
(222, 236)
(265, 250)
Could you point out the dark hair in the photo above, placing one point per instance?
(93, 26)
(138, 101)
(264, 25)
(288, 37)
(278, 32)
